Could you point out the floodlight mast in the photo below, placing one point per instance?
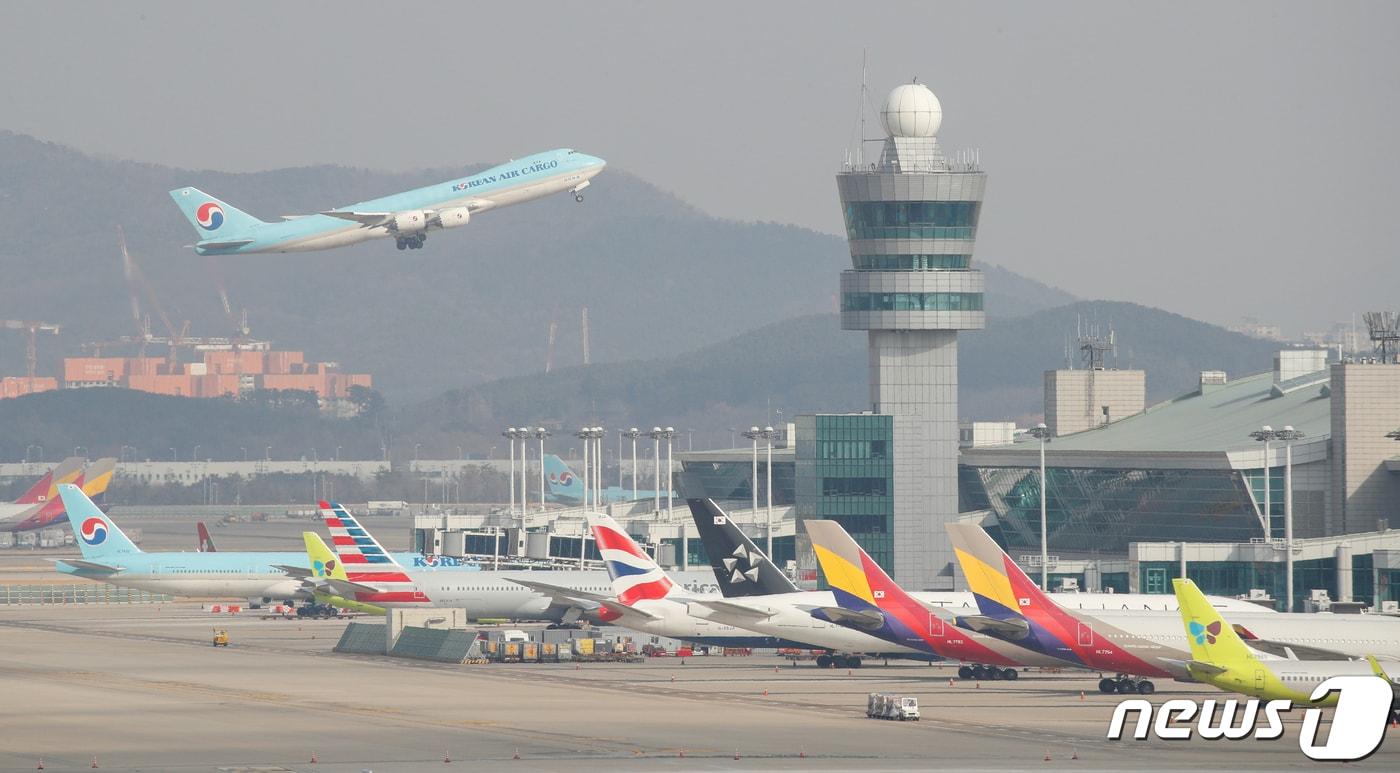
(1042, 433)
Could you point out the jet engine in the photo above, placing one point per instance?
(410, 221)
(453, 217)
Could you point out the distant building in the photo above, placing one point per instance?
(17, 386)
(220, 373)
(1255, 329)
(1076, 400)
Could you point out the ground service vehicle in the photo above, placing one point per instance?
(882, 705)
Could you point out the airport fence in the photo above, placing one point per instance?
(77, 594)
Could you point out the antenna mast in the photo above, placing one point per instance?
(1384, 327)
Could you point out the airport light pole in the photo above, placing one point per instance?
(194, 455)
(122, 455)
(540, 434)
(768, 435)
(85, 450)
(620, 433)
(598, 434)
(632, 433)
(582, 435)
(656, 433)
(269, 453)
(524, 436)
(1288, 435)
(1042, 433)
(754, 433)
(1265, 435)
(241, 448)
(509, 434)
(670, 434)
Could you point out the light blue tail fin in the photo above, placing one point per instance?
(211, 218)
(563, 483)
(97, 536)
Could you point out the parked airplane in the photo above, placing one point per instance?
(206, 542)
(1015, 609)
(43, 491)
(93, 480)
(375, 577)
(325, 566)
(109, 556)
(1221, 658)
(567, 488)
(223, 229)
(641, 596)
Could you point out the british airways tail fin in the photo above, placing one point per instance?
(98, 537)
(635, 576)
(211, 218)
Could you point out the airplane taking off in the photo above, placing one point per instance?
(567, 488)
(223, 229)
(1219, 657)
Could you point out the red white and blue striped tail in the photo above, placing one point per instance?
(366, 562)
(635, 576)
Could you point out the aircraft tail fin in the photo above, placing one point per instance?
(378, 577)
(635, 576)
(562, 480)
(741, 568)
(98, 537)
(206, 542)
(211, 218)
(323, 560)
(46, 488)
(1212, 640)
(998, 584)
(98, 476)
(856, 580)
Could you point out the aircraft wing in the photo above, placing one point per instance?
(91, 566)
(862, 621)
(366, 219)
(1007, 630)
(224, 245)
(350, 588)
(294, 571)
(583, 599)
(751, 611)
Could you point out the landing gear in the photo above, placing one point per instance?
(412, 242)
(964, 672)
(1126, 684)
(578, 197)
(823, 661)
(1010, 674)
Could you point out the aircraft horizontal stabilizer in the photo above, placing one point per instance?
(293, 571)
(223, 245)
(1011, 629)
(753, 612)
(350, 588)
(1201, 667)
(864, 620)
(91, 566)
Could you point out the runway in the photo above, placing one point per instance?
(141, 688)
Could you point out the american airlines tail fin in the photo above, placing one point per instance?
(635, 576)
(741, 568)
(372, 570)
(211, 218)
(1211, 638)
(1002, 590)
(563, 483)
(98, 537)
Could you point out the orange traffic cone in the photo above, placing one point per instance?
(950, 682)
(775, 669)
(680, 753)
(1047, 755)
(1081, 695)
(1074, 754)
(802, 754)
(516, 756)
(673, 677)
(736, 754)
(848, 672)
(41, 764)
(977, 686)
(447, 758)
(313, 758)
(94, 760)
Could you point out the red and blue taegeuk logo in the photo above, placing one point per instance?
(93, 531)
(209, 216)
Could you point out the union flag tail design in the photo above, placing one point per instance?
(635, 576)
(366, 561)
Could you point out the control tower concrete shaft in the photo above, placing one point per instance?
(911, 221)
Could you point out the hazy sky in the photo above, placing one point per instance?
(1214, 159)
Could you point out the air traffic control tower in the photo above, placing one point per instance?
(911, 220)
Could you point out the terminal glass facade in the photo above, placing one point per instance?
(912, 219)
(731, 481)
(1255, 479)
(844, 473)
(1100, 510)
(917, 262)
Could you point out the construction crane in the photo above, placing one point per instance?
(33, 328)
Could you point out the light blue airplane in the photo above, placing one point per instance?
(110, 557)
(224, 229)
(567, 488)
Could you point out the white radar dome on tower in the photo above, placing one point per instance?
(912, 110)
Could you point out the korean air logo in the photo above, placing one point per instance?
(1205, 633)
(209, 216)
(566, 479)
(93, 531)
